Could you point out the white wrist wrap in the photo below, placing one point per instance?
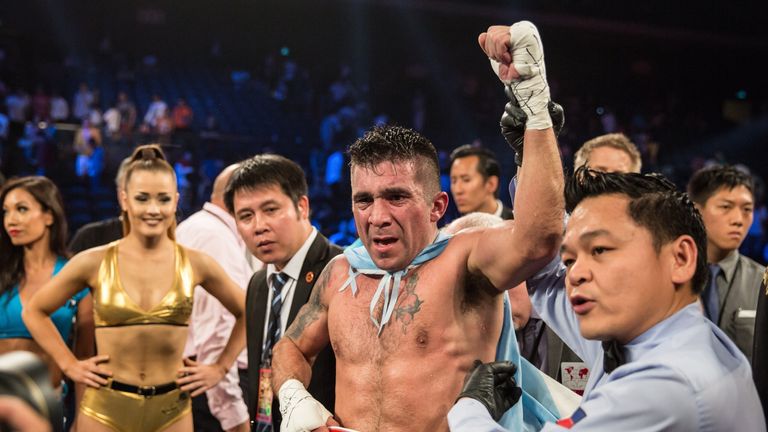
(531, 89)
(300, 411)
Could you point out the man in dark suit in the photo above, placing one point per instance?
(104, 231)
(268, 197)
(760, 349)
(475, 177)
(725, 198)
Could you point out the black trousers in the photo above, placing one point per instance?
(203, 420)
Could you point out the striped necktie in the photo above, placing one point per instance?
(273, 329)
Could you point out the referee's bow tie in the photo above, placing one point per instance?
(613, 355)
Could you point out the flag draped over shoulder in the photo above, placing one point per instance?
(544, 399)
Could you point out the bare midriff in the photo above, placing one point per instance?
(148, 354)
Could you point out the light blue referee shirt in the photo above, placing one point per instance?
(683, 374)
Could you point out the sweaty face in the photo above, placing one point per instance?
(270, 224)
(617, 284)
(393, 218)
(609, 159)
(24, 219)
(469, 189)
(150, 199)
(727, 216)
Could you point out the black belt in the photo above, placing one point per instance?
(147, 391)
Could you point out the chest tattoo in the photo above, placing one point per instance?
(410, 304)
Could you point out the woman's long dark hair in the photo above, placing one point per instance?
(12, 257)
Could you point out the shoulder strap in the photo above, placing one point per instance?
(60, 262)
(184, 269)
(108, 266)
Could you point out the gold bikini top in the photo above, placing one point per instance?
(113, 307)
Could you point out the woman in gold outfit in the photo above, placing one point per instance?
(142, 288)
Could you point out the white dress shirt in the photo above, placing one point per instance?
(212, 230)
(293, 271)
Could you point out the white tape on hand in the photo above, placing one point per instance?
(527, 50)
(300, 411)
(531, 89)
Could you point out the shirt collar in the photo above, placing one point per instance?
(293, 268)
(666, 329)
(728, 264)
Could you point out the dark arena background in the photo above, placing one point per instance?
(305, 78)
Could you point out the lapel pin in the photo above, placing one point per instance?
(309, 277)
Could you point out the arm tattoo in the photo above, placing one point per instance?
(311, 311)
(411, 303)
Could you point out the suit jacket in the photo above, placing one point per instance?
(323, 384)
(96, 234)
(557, 353)
(541, 346)
(738, 302)
(760, 350)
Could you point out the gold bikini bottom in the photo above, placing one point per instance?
(129, 412)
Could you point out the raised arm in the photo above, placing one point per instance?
(294, 354)
(215, 280)
(509, 254)
(36, 314)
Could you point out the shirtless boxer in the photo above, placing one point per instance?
(394, 306)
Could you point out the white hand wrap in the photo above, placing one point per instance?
(300, 411)
(531, 89)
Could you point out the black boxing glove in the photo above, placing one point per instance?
(493, 385)
(514, 119)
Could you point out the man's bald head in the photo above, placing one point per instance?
(220, 185)
(473, 220)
